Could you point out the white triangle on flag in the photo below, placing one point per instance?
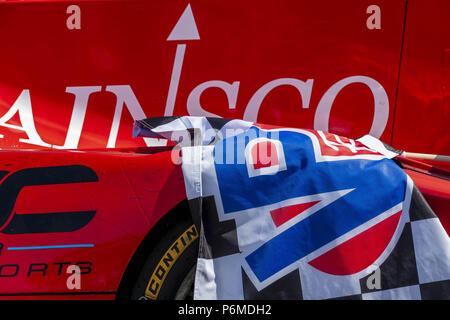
(185, 29)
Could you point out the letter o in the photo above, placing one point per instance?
(381, 104)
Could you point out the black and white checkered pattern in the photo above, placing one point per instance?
(197, 130)
(418, 266)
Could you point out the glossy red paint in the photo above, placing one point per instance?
(132, 193)
(422, 116)
(295, 63)
(434, 183)
(437, 193)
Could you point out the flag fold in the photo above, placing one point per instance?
(287, 213)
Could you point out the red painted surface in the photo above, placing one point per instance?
(434, 183)
(437, 193)
(422, 117)
(132, 193)
(298, 63)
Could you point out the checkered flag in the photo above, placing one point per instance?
(289, 213)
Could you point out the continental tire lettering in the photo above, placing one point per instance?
(168, 260)
(160, 273)
(12, 223)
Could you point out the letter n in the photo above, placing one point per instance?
(125, 96)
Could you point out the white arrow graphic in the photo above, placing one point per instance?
(184, 30)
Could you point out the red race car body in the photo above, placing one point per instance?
(91, 209)
(75, 75)
(96, 209)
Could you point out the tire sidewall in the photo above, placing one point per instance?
(168, 263)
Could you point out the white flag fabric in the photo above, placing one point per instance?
(289, 213)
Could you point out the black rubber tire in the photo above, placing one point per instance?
(171, 261)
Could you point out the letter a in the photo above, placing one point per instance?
(374, 281)
(374, 20)
(74, 20)
(74, 281)
(23, 106)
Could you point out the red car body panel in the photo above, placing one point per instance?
(423, 102)
(294, 63)
(434, 184)
(132, 193)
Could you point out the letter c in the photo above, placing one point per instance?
(305, 88)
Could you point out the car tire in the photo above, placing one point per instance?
(168, 272)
